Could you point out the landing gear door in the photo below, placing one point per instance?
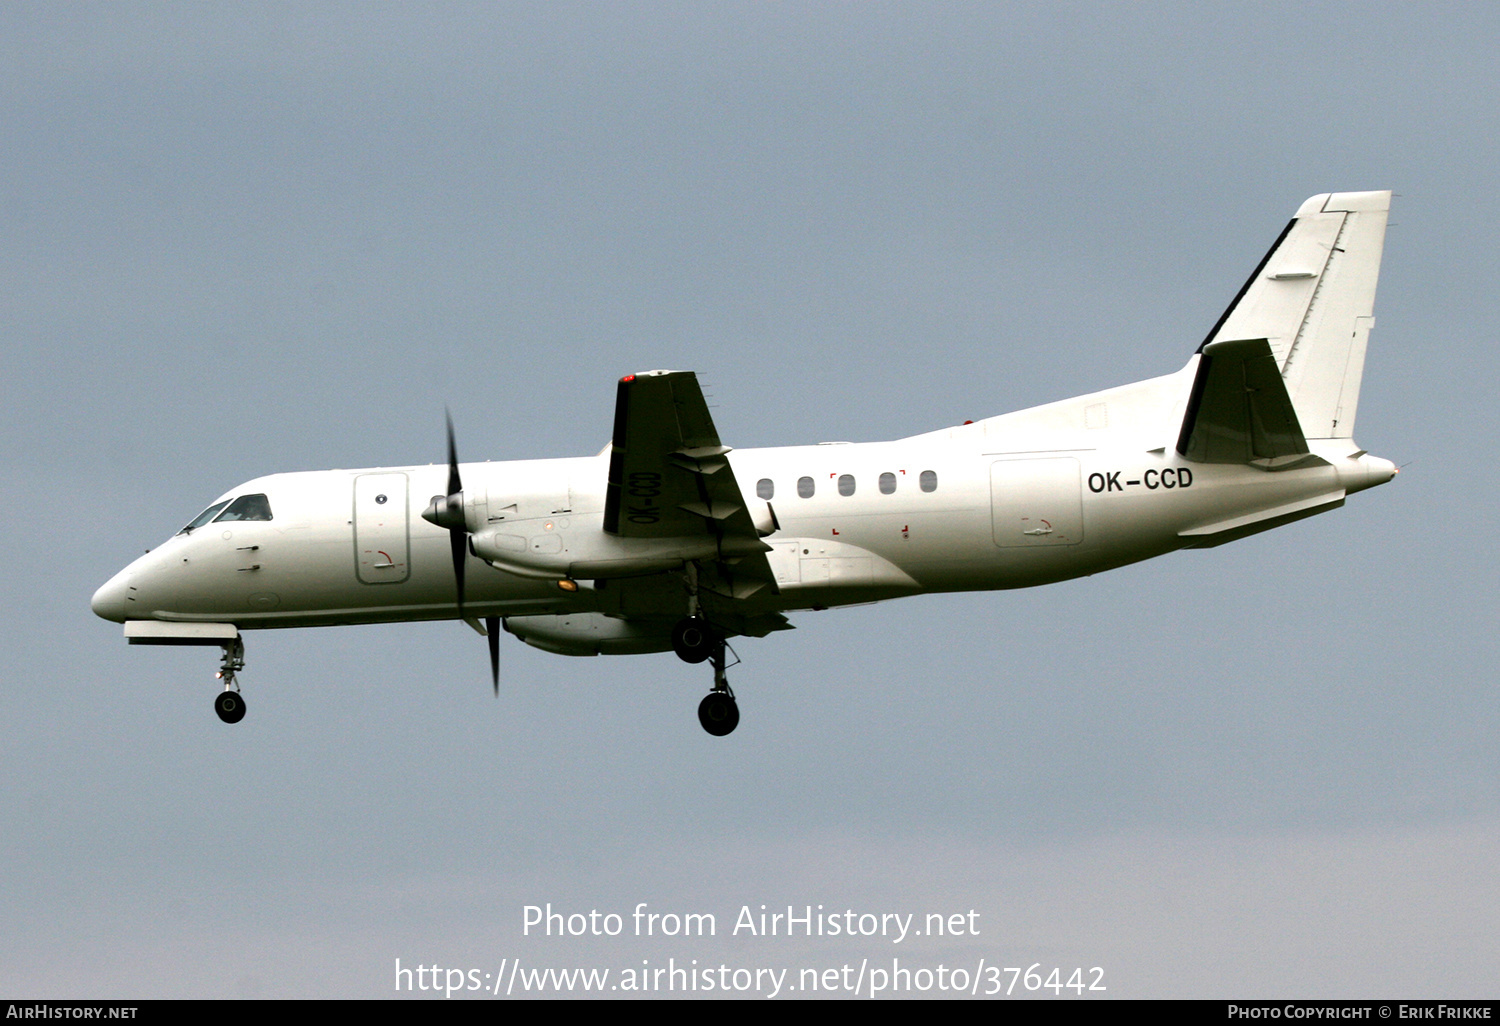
(382, 529)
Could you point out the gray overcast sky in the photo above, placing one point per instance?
(241, 239)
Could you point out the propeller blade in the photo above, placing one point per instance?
(447, 511)
(492, 624)
(455, 484)
(459, 542)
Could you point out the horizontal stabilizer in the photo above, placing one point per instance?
(1239, 410)
(1207, 536)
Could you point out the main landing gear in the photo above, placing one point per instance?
(230, 705)
(694, 641)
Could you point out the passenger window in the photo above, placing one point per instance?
(929, 480)
(204, 517)
(805, 487)
(887, 483)
(247, 507)
(846, 484)
(765, 488)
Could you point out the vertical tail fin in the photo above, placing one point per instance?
(1312, 298)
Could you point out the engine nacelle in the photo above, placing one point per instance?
(588, 634)
(578, 548)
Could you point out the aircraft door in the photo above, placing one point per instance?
(786, 562)
(382, 529)
(1036, 502)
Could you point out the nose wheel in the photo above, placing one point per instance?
(230, 705)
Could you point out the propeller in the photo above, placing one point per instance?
(447, 511)
(492, 625)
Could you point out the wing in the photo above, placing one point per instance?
(669, 478)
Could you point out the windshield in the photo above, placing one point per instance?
(247, 507)
(204, 517)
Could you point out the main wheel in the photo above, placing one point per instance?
(719, 713)
(230, 706)
(693, 639)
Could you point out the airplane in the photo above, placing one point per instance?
(668, 540)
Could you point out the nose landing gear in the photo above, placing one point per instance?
(230, 705)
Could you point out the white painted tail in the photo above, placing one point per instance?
(1312, 298)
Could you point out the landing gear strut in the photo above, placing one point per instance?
(694, 640)
(719, 712)
(230, 705)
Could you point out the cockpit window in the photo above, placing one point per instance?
(247, 507)
(205, 516)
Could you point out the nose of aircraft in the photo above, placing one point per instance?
(109, 601)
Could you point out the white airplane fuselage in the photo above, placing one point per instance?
(997, 517)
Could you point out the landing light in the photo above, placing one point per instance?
(567, 585)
